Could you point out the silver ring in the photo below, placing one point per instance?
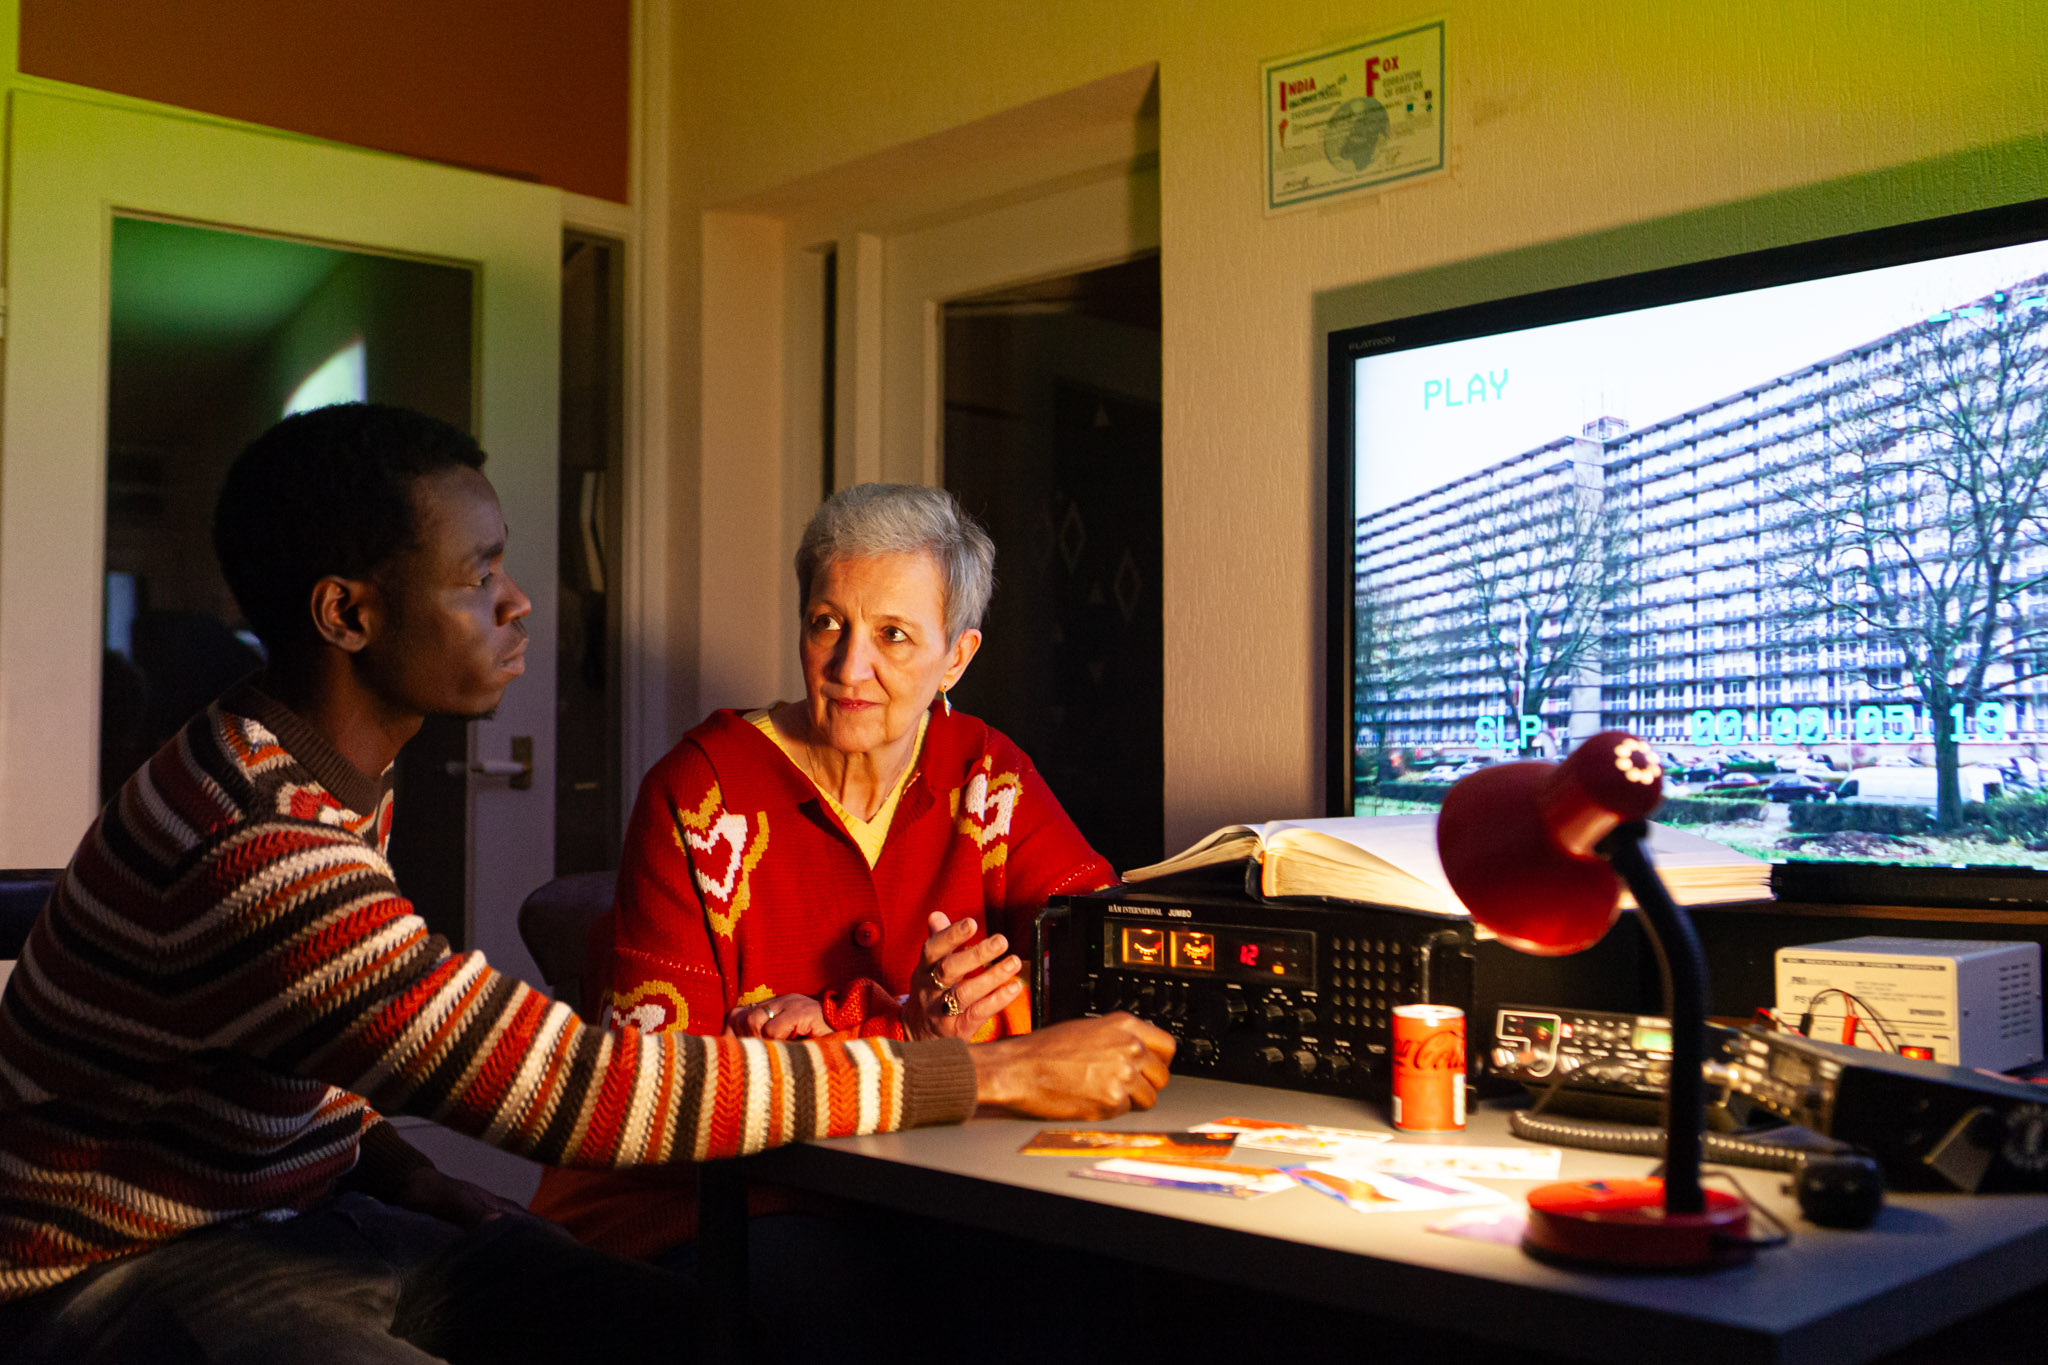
(949, 1003)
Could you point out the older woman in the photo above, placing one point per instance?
(860, 861)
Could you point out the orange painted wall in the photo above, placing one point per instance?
(535, 89)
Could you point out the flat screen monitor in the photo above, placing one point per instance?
(1784, 514)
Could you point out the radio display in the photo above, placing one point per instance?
(1192, 949)
(1650, 1037)
(1233, 952)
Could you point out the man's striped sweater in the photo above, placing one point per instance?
(227, 978)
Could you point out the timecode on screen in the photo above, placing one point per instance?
(1895, 722)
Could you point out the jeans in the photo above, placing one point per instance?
(356, 1280)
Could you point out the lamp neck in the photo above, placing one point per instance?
(1685, 1002)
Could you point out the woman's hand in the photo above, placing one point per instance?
(786, 1016)
(959, 988)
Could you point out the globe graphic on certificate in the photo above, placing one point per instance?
(1353, 135)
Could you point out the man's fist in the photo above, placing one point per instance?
(1082, 1069)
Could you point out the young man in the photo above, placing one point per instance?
(227, 980)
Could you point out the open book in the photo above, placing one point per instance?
(1392, 860)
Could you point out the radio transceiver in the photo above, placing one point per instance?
(1300, 996)
(1930, 1126)
(1597, 1064)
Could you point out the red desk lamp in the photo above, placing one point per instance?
(1533, 850)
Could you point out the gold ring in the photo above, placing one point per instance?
(938, 977)
(949, 1003)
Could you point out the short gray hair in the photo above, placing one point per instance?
(901, 518)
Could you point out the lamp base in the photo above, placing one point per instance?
(1622, 1224)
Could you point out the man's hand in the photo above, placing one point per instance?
(978, 981)
(1082, 1069)
(440, 1195)
(786, 1016)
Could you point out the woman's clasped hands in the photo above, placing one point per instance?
(960, 985)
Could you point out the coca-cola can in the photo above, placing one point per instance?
(1429, 1068)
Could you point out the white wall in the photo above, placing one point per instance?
(1710, 124)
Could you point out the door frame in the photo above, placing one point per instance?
(1075, 185)
(1100, 223)
(60, 212)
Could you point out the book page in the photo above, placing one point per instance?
(1389, 858)
(1231, 844)
(1393, 859)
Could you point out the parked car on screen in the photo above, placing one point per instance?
(1793, 788)
(1729, 782)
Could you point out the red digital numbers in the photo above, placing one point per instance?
(1248, 954)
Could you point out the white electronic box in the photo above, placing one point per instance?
(1965, 1002)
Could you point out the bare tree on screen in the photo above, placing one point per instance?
(1922, 524)
(1389, 659)
(1544, 561)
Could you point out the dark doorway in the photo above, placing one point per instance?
(213, 336)
(1052, 440)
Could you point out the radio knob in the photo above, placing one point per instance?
(1304, 1063)
(1272, 1014)
(1305, 1017)
(1234, 1009)
(1337, 1064)
(1271, 1056)
(1201, 1051)
(1503, 1058)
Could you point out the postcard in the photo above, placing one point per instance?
(1384, 1192)
(1480, 1163)
(1298, 1139)
(1098, 1142)
(1197, 1177)
(1234, 1124)
(1502, 1226)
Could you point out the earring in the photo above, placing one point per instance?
(945, 702)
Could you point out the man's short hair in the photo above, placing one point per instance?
(324, 493)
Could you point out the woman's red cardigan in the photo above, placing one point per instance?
(739, 883)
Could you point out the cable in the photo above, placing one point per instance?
(1783, 1234)
(1632, 1140)
(1805, 1029)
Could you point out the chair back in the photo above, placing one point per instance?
(23, 893)
(555, 924)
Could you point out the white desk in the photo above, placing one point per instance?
(1829, 1296)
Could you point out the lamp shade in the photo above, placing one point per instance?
(1517, 841)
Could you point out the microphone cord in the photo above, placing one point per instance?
(1633, 1140)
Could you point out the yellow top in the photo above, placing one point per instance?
(870, 835)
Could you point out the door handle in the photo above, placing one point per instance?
(519, 767)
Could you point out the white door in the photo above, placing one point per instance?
(75, 164)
